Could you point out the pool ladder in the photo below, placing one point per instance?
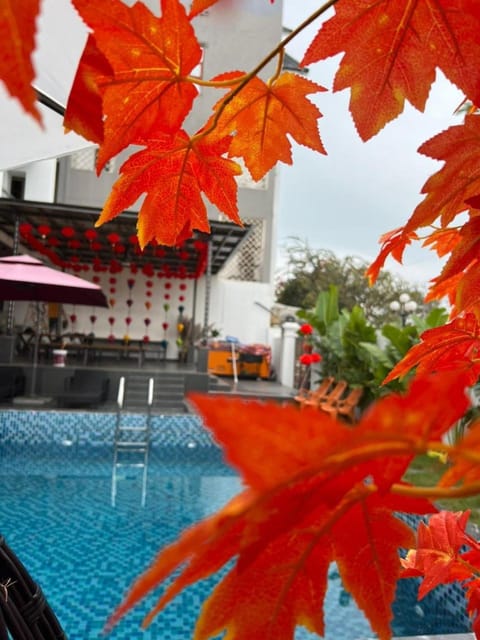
(132, 441)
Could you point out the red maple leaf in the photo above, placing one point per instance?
(438, 557)
(263, 115)
(448, 189)
(84, 111)
(392, 50)
(454, 347)
(443, 241)
(316, 482)
(148, 89)
(174, 171)
(393, 243)
(198, 6)
(17, 35)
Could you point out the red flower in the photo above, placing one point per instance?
(306, 330)
(310, 358)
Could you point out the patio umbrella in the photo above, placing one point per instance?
(23, 277)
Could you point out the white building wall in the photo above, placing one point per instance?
(40, 180)
(234, 310)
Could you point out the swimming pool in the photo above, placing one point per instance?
(55, 513)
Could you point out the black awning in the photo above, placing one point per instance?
(67, 237)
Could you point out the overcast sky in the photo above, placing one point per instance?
(344, 201)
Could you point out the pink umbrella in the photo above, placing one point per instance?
(25, 278)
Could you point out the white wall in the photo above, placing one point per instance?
(234, 312)
(40, 180)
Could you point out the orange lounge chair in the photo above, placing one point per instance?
(318, 394)
(332, 396)
(345, 407)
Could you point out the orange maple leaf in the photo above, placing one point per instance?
(17, 34)
(148, 89)
(443, 241)
(84, 110)
(463, 469)
(318, 480)
(459, 179)
(173, 171)
(262, 115)
(448, 191)
(391, 53)
(198, 6)
(454, 347)
(393, 242)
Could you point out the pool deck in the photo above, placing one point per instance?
(51, 380)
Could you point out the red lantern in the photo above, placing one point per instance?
(73, 318)
(130, 282)
(165, 325)
(111, 320)
(133, 239)
(112, 302)
(96, 279)
(147, 269)
(113, 238)
(181, 298)
(129, 302)
(148, 294)
(53, 241)
(91, 234)
(147, 321)
(25, 229)
(67, 232)
(128, 320)
(44, 230)
(183, 287)
(167, 296)
(168, 285)
(93, 319)
(96, 246)
(149, 283)
(146, 339)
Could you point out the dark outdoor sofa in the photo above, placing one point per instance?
(12, 382)
(85, 388)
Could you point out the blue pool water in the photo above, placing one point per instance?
(56, 514)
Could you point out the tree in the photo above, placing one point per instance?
(311, 271)
(309, 482)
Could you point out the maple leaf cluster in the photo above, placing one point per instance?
(141, 93)
(309, 481)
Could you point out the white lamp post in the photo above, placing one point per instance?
(404, 306)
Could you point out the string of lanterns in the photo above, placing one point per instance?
(49, 242)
